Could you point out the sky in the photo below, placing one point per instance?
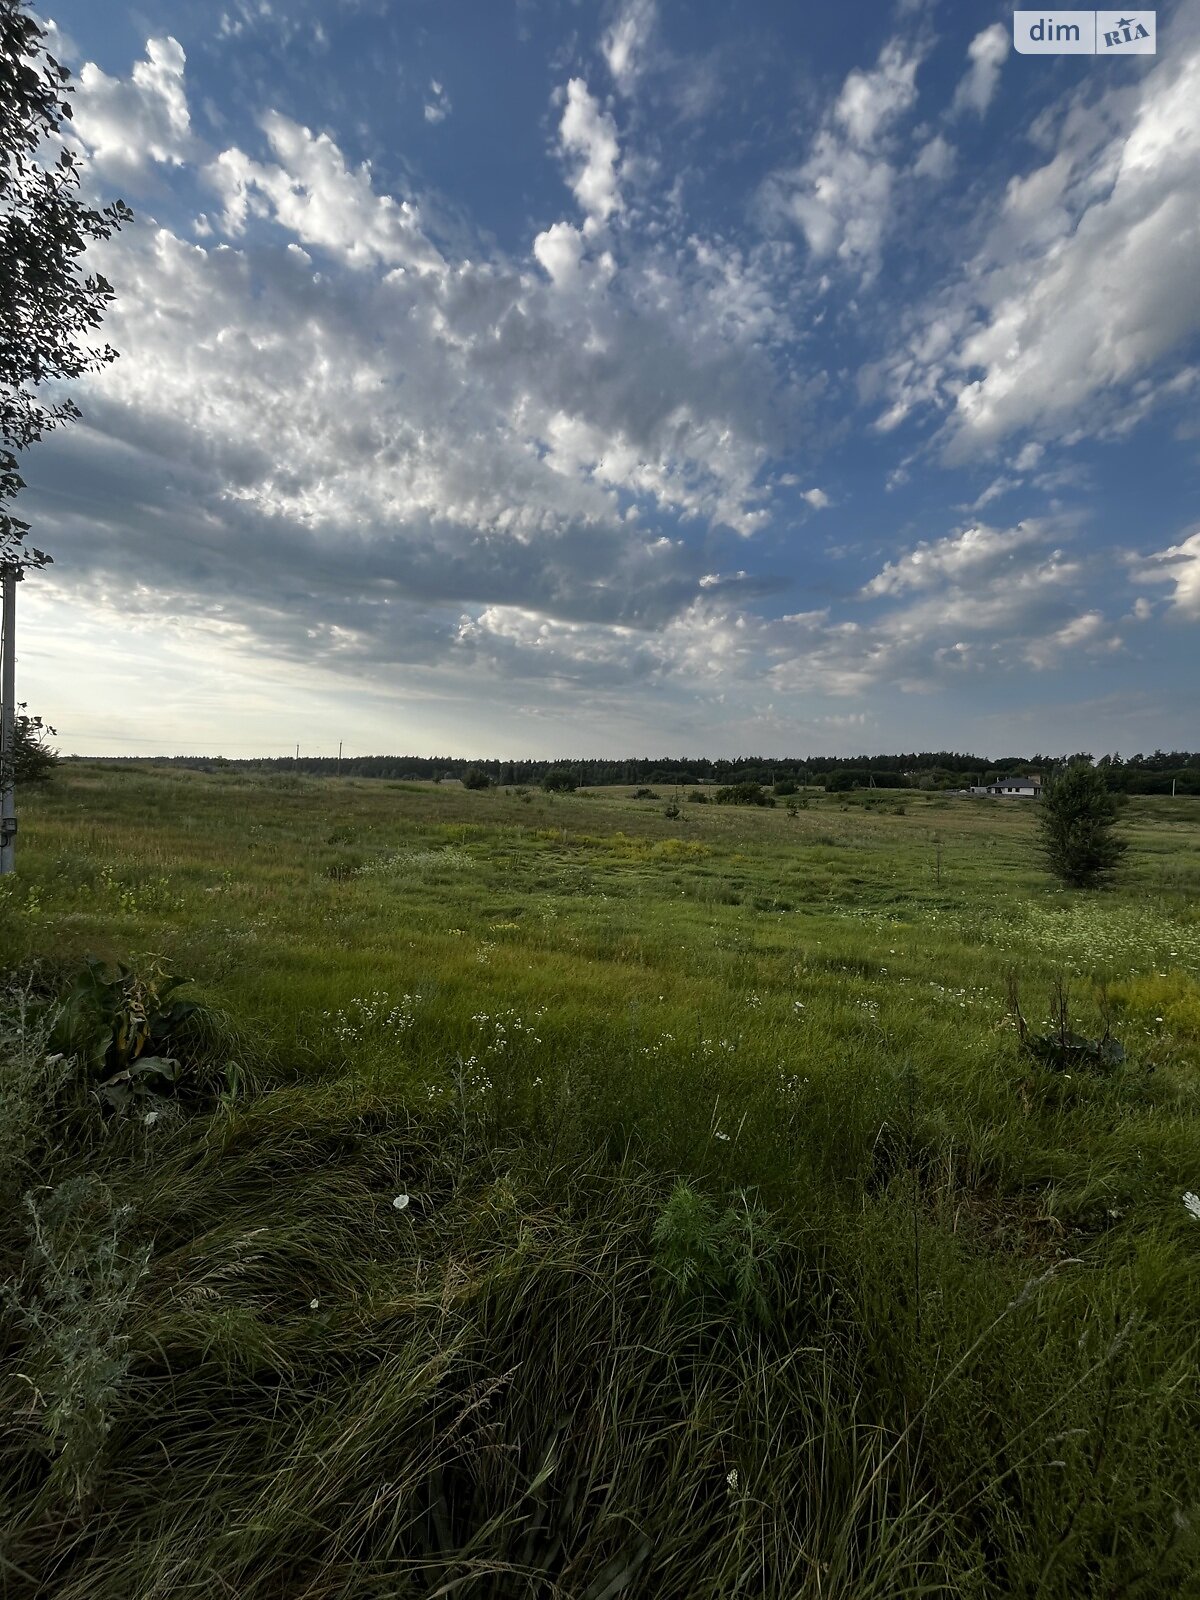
(537, 378)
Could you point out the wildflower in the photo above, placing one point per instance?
(400, 1201)
(313, 1304)
(1192, 1203)
(723, 1136)
(731, 1478)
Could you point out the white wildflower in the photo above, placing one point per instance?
(313, 1304)
(400, 1201)
(731, 1478)
(1192, 1203)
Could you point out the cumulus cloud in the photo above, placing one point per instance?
(971, 606)
(346, 439)
(1086, 279)
(936, 159)
(345, 429)
(987, 54)
(126, 123)
(982, 600)
(973, 551)
(311, 191)
(589, 134)
(625, 41)
(840, 196)
(1088, 631)
(1178, 564)
(871, 101)
(559, 250)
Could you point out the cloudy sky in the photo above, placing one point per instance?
(536, 377)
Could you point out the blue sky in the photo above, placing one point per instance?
(551, 378)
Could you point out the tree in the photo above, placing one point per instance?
(743, 794)
(561, 780)
(48, 305)
(476, 778)
(48, 308)
(1076, 822)
(33, 758)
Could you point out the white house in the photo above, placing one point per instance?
(1011, 788)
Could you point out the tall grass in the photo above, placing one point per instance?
(743, 1252)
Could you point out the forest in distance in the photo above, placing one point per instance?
(1163, 772)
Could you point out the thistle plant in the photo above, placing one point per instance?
(72, 1303)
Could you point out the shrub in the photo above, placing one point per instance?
(73, 1304)
(476, 778)
(743, 794)
(1076, 820)
(33, 759)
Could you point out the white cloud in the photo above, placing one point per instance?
(126, 122)
(1178, 564)
(976, 549)
(339, 456)
(312, 192)
(994, 491)
(559, 250)
(936, 159)
(987, 53)
(437, 107)
(589, 133)
(624, 43)
(1088, 631)
(1085, 281)
(333, 434)
(59, 43)
(841, 195)
(871, 101)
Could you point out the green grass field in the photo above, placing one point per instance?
(746, 1250)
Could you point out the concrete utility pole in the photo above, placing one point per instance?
(9, 575)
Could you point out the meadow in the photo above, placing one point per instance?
(582, 1196)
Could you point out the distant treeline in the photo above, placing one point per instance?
(926, 769)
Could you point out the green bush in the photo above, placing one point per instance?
(33, 759)
(743, 794)
(1076, 827)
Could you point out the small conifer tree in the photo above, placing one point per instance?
(1076, 823)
